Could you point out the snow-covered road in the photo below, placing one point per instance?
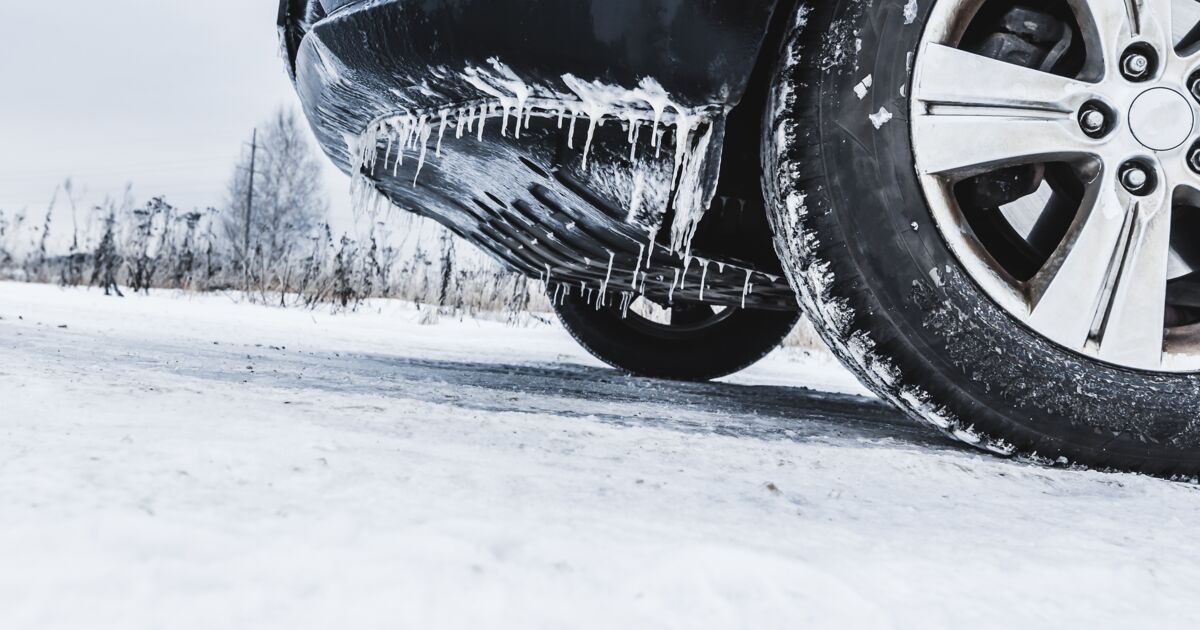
(191, 462)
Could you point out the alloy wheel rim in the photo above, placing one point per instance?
(1125, 127)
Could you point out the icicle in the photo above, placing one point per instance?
(746, 287)
(458, 133)
(720, 267)
(571, 133)
(504, 77)
(657, 98)
(608, 278)
(483, 120)
(671, 293)
(653, 236)
(424, 133)
(637, 130)
(703, 278)
(696, 185)
(519, 89)
(400, 155)
(687, 263)
(367, 150)
(597, 100)
(638, 266)
(684, 125)
(595, 119)
(442, 130)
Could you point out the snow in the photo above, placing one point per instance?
(881, 118)
(698, 131)
(864, 87)
(194, 462)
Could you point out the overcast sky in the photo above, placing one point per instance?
(161, 94)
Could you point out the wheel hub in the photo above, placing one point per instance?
(1161, 119)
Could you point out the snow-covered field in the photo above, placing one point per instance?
(191, 462)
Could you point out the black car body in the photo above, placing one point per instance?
(547, 132)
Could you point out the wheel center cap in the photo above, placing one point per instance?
(1161, 119)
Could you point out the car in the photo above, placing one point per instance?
(988, 208)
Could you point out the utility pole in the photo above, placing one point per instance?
(249, 206)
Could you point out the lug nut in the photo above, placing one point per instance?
(1135, 66)
(1093, 121)
(1195, 87)
(1194, 159)
(1135, 179)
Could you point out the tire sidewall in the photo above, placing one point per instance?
(870, 249)
(723, 348)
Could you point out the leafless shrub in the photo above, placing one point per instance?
(155, 246)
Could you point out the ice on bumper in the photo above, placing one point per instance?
(580, 107)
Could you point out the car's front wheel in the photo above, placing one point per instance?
(992, 211)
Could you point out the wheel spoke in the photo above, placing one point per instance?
(969, 144)
(1067, 293)
(1155, 22)
(1132, 330)
(1117, 22)
(980, 114)
(1107, 283)
(1185, 22)
(1111, 23)
(959, 77)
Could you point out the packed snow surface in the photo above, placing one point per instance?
(178, 461)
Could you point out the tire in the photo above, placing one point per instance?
(877, 276)
(701, 345)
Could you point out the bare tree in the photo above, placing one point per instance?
(288, 201)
